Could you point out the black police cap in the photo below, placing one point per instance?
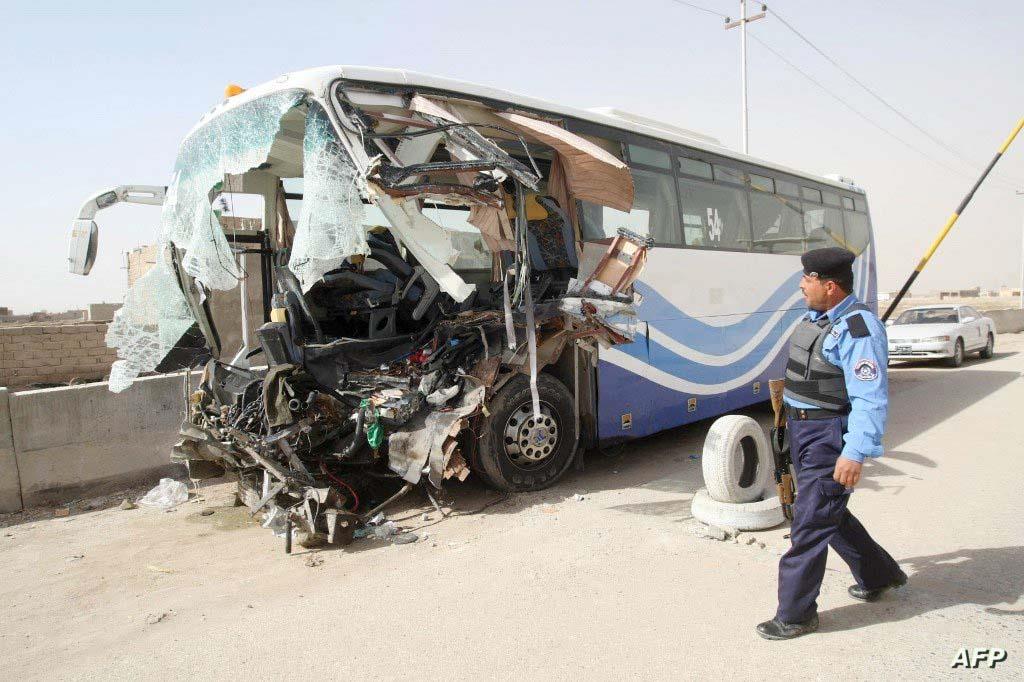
(831, 262)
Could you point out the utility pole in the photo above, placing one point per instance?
(742, 23)
(1020, 193)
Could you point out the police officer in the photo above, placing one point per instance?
(836, 401)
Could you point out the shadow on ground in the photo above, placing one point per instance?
(987, 577)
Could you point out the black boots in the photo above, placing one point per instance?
(864, 594)
(776, 629)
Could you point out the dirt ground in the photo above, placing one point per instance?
(548, 585)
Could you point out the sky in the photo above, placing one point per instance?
(98, 97)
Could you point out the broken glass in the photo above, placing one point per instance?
(234, 142)
(330, 226)
(155, 314)
(152, 320)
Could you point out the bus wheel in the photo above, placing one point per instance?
(519, 452)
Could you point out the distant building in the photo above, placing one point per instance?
(961, 293)
(102, 312)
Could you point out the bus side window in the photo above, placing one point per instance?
(778, 226)
(857, 233)
(823, 226)
(655, 212)
(714, 216)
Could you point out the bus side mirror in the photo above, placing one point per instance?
(82, 246)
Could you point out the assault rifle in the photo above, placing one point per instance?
(780, 449)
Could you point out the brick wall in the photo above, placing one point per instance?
(53, 353)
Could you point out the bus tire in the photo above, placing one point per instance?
(737, 460)
(760, 515)
(517, 453)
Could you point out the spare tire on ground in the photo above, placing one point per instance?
(737, 460)
(746, 516)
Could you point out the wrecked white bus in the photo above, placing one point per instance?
(474, 281)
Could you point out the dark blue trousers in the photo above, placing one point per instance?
(820, 519)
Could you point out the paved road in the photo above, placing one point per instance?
(542, 586)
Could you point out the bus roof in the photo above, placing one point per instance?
(318, 80)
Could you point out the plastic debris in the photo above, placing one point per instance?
(442, 395)
(374, 430)
(127, 504)
(377, 527)
(405, 538)
(168, 493)
(385, 530)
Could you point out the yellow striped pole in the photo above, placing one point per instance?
(952, 220)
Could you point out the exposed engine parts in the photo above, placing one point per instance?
(459, 334)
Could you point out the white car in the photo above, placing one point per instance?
(941, 332)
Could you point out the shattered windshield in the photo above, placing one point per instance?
(473, 253)
(156, 313)
(154, 317)
(231, 143)
(330, 229)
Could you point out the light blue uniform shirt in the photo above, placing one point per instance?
(864, 361)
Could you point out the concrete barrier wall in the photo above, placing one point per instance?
(71, 441)
(1007, 321)
(10, 483)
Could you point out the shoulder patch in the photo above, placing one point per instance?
(866, 370)
(857, 326)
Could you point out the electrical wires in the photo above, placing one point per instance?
(702, 9)
(1006, 180)
(952, 150)
(852, 108)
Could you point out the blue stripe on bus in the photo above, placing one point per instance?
(654, 408)
(656, 308)
(678, 366)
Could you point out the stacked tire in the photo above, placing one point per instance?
(738, 475)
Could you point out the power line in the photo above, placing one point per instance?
(702, 9)
(852, 108)
(833, 62)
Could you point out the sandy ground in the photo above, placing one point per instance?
(545, 586)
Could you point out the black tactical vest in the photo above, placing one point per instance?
(810, 378)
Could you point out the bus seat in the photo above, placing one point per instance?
(551, 238)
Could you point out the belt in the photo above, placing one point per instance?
(805, 413)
